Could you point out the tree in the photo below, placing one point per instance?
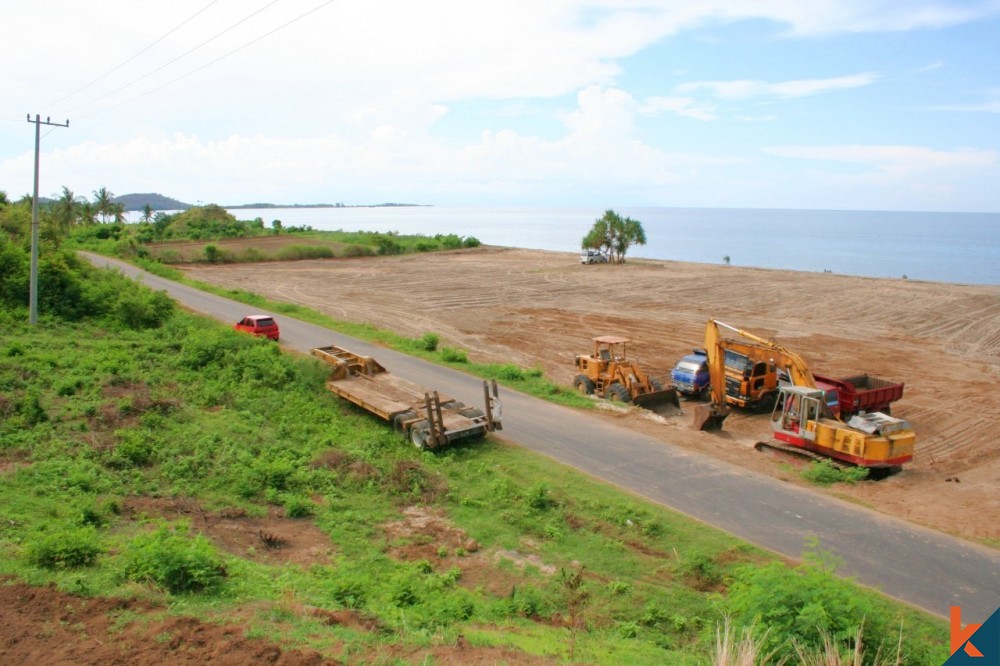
(147, 213)
(613, 235)
(103, 203)
(66, 212)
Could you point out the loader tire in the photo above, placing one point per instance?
(583, 384)
(656, 384)
(618, 393)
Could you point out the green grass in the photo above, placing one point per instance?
(527, 380)
(561, 564)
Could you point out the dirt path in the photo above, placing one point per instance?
(538, 308)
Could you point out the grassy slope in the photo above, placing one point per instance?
(92, 418)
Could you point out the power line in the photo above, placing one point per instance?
(167, 64)
(125, 62)
(210, 63)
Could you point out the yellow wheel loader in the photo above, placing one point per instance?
(608, 373)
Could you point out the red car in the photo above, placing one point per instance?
(262, 325)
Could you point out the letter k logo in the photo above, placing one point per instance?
(960, 635)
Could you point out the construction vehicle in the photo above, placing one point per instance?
(755, 367)
(802, 416)
(863, 393)
(608, 373)
(427, 418)
(690, 376)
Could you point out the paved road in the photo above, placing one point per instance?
(919, 566)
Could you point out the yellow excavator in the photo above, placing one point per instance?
(801, 417)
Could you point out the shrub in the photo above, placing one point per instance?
(825, 473)
(429, 341)
(78, 547)
(294, 252)
(450, 355)
(173, 561)
(138, 310)
(297, 506)
(802, 606)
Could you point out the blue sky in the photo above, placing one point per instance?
(839, 104)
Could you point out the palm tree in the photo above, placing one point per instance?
(65, 211)
(147, 214)
(102, 201)
(117, 210)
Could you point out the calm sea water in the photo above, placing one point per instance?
(944, 247)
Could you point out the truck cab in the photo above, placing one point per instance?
(690, 375)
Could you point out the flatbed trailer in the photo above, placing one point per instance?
(427, 418)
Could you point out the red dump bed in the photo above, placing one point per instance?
(864, 393)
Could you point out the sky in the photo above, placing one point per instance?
(817, 104)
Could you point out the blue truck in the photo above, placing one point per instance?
(690, 376)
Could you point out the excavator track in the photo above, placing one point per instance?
(804, 453)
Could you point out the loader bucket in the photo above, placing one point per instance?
(664, 402)
(709, 417)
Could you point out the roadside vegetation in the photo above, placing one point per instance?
(136, 439)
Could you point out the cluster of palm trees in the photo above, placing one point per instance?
(70, 210)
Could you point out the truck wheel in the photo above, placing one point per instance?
(618, 393)
(766, 404)
(418, 434)
(583, 384)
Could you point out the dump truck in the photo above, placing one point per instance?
(608, 373)
(859, 394)
(426, 418)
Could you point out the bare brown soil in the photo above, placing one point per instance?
(46, 625)
(537, 308)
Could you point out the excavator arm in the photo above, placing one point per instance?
(711, 416)
(798, 371)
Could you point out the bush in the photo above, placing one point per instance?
(802, 606)
(79, 547)
(173, 561)
(449, 355)
(825, 473)
(429, 341)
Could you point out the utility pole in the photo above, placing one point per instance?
(33, 289)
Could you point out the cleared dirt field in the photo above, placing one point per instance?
(537, 308)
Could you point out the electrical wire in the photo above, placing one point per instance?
(167, 64)
(212, 62)
(125, 62)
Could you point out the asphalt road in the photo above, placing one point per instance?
(916, 565)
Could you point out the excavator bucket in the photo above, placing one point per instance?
(664, 402)
(709, 417)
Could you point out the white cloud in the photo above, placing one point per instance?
(745, 89)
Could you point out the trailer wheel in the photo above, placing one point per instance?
(399, 421)
(583, 384)
(418, 434)
(618, 393)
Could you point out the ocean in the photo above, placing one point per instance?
(942, 247)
